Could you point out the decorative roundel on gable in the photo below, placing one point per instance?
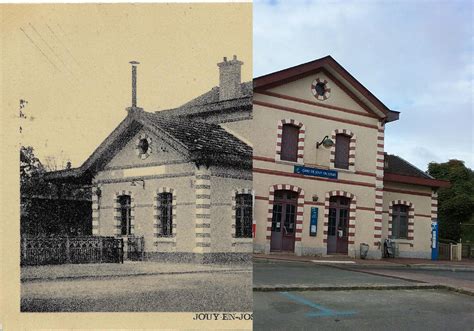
(143, 146)
(320, 89)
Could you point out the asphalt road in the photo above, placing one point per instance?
(363, 310)
(382, 309)
(304, 273)
(219, 291)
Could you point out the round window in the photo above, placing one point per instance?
(320, 89)
(143, 146)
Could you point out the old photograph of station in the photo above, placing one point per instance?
(162, 208)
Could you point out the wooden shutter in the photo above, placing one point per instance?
(342, 151)
(289, 143)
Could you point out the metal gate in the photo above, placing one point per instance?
(468, 251)
(135, 248)
(444, 252)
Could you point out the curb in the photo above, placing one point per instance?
(302, 288)
(299, 288)
(131, 275)
(376, 266)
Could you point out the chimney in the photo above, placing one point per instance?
(134, 83)
(229, 79)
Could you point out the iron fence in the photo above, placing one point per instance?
(135, 248)
(468, 251)
(60, 250)
(444, 252)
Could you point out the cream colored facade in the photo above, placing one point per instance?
(193, 153)
(287, 98)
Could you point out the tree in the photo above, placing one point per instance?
(455, 203)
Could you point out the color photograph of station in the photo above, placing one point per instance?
(324, 180)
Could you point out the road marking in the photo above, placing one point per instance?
(322, 311)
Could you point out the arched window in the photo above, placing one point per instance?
(400, 222)
(341, 160)
(165, 208)
(125, 214)
(289, 143)
(243, 216)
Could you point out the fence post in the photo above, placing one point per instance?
(459, 251)
(101, 248)
(68, 251)
(122, 250)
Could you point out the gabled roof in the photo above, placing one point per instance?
(335, 72)
(199, 142)
(212, 96)
(399, 170)
(209, 103)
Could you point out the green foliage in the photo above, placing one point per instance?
(455, 203)
(47, 208)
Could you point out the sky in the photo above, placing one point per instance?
(415, 56)
(71, 63)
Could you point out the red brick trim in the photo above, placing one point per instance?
(352, 147)
(301, 135)
(379, 171)
(299, 209)
(290, 174)
(272, 160)
(407, 192)
(304, 112)
(411, 217)
(314, 103)
(306, 69)
(352, 214)
(434, 206)
(327, 89)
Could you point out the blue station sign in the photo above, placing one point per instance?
(313, 226)
(307, 171)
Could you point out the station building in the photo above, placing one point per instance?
(323, 182)
(180, 178)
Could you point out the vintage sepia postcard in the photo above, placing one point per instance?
(133, 187)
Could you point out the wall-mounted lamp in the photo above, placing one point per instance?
(315, 197)
(326, 142)
(98, 192)
(135, 181)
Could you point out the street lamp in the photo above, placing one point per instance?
(326, 142)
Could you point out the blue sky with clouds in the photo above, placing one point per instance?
(415, 56)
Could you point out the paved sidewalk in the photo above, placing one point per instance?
(466, 265)
(459, 284)
(128, 268)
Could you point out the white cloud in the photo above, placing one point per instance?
(415, 57)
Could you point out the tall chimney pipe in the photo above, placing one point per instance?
(134, 83)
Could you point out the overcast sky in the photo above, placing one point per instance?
(415, 56)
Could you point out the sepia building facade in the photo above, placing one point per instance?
(180, 178)
(323, 182)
